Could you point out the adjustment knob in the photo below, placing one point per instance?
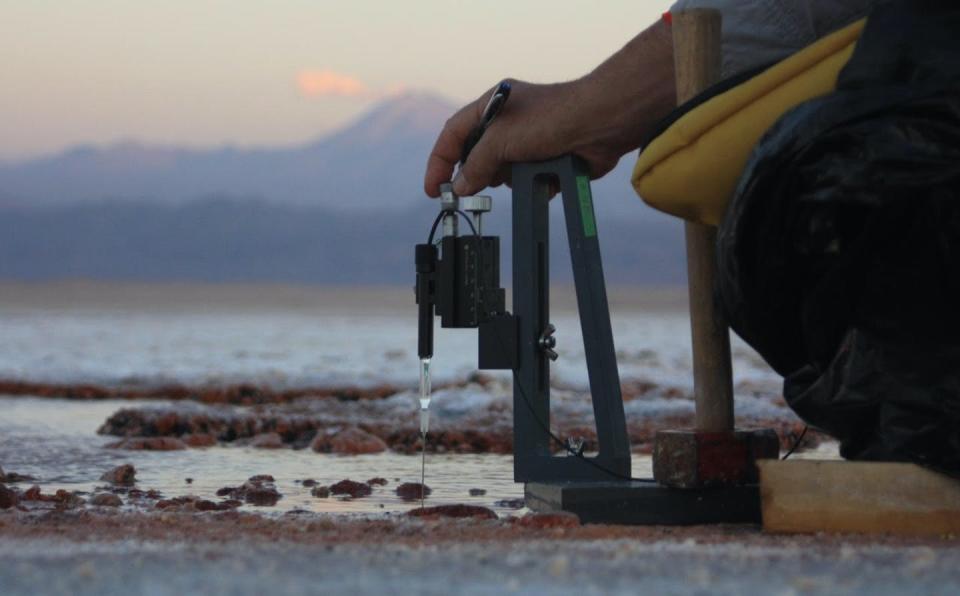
(479, 204)
(548, 342)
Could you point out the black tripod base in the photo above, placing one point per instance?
(642, 504)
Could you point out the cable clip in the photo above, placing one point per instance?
(575, 446)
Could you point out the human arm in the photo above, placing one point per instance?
(599, 117)
(609, 112)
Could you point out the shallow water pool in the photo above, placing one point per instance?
(55, 441)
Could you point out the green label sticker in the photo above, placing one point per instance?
(586, 206)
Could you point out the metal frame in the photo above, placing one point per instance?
(533, 185)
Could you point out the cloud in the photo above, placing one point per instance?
(327, 83)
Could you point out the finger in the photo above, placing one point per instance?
(553, 188)
(446, 151)
(500, 178)
(506, 175)
(503, 177)
(482, 166)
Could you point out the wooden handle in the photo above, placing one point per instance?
(697, 56)
(697, 62)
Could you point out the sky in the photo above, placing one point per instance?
(204, 73)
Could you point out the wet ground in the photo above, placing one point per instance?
(55, 442)
(230, 553)
(222, 370)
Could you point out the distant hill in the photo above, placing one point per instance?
(367, 165)
(241, 240)
(346, 208)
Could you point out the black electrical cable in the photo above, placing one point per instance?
(563, 444)
(440, 216)
(469, 222)
(433, 228)
(796, 444)
(516, 380)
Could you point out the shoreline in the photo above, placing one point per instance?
(175, 296)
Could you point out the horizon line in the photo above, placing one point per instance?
(133, 142)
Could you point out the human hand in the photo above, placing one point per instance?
(599, 117)
(539, 122)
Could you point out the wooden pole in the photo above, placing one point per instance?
(697, 61)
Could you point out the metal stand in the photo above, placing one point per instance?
(533, 459)
(637, 503)
(705, 475)
(597, 489)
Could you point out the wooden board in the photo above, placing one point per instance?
(873, 498)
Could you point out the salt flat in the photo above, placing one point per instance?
(692, 562)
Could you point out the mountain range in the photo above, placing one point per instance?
(344, 208)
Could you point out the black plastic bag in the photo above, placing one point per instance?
(840, 253)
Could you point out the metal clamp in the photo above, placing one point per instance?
(449, 204)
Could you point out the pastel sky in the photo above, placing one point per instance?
(245, 72)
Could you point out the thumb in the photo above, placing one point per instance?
(480, 168)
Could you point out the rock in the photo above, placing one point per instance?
(349, 441)
(148, 444)
(8, 498)
(543, 521)
(351, 488)
(68, 500)
(353, 441)
(309, 482)
(302, 429)
(199, 440)
(178, 502)
(205, 505)
(511, 504)
(124, 475)
(267, 441)
(34, 494)
(477, 492)
(166, 424)
(320, 443)
(455, 511)
(260, 495)
(412, 491)
(106, 500)
(13, 477)
(377, 481)
(259, 491)
(321, 492)
(190, 502)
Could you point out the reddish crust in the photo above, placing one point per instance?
(186, 525)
